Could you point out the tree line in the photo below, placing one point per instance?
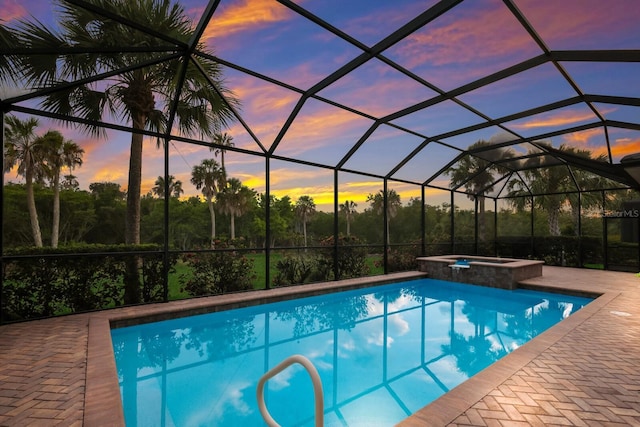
(554, 186)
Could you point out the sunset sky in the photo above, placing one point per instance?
(474, 39)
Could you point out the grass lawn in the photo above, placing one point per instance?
(259, 267)
(595, 266)
(174, 284)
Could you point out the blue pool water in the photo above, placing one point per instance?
(382, 353)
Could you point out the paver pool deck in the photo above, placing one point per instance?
(584, 371)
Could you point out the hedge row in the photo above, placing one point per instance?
(73, 279)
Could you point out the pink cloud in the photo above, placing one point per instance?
(12, 10)
(583, 23)
(321, 126)
(465, 36)
(377, 89)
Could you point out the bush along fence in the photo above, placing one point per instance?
(42, 282)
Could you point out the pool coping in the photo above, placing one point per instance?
(102, 395)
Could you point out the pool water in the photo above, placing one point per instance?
(382, 353)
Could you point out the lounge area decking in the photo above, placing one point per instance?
(583, 371)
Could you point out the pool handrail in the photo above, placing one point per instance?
(315, 379)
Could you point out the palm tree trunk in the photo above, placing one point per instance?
(233, 226)
(348, 225)
(554, 222)
(55, 226)
(212, 214)
(387, 231)
(575, 213)
(132, 231)
(31, 206)
(304, 231)
(481, 224)
(132, 219)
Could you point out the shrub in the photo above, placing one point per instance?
(41, 282)
(217, 272)
(351, 259)
(294, 270)
(403, 259)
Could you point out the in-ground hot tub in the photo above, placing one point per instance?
(504, 273)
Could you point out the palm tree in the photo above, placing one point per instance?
(585, 179)
(348, 208)
(393, 204)
(476, 175)
(305, 208)
(175, 187)
(550, 186)
(7, 62)
(57, 154)
(88, 39)
(545, 185)
(70, 182)
(235, 199)
(222, 140)
(23, 148)
(209, 177)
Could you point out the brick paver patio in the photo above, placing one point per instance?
(582, 372)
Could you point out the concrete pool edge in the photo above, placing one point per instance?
(103, 404)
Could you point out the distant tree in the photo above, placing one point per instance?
(305, 208)
(70, 182)
(222, 140)
(281, 218)
(476, 174)
(550, 185)
(107, 193)
(58, 153)
(393, 204)
(348, 209)
(586, 180)
(110, 207)
(208, 176)
(235, 199)
(24, 148)
(175, 187)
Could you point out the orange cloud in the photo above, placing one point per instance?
(583, 137)
(562, 118)
(245, 15)
(108, 173)
(620, 148)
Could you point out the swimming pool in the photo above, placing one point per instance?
(382, 353)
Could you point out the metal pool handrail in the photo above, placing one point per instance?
(315, 379)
